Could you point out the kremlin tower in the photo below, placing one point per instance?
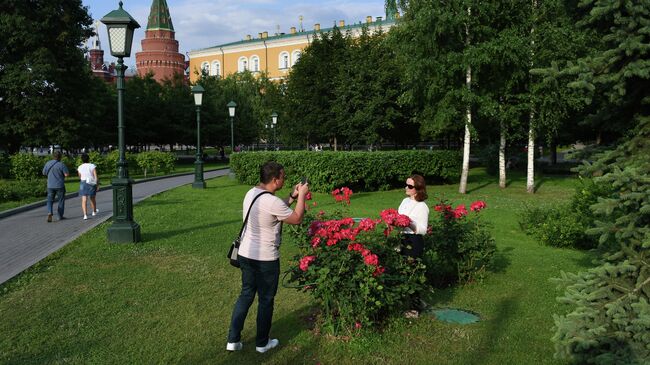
(159, 48)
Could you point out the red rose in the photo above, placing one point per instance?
(305, 261)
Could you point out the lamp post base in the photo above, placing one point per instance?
(124, 229)
(198, 183)
(124, 232)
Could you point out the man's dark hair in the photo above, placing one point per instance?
(56, 155)
(269, 171)
(85, 158)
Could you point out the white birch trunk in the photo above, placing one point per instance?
(530, 174)
(502, 157)
(530, 171)
(468, 120)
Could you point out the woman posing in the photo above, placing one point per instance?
(414, 207)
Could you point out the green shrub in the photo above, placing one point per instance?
(566, 225)
(5, 166)
(26, 166)
(111, 161)
(98, 160)
(368, 171)
(459, 246)
(23, 189)
(154, 161)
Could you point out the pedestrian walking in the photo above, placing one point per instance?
(89, 182)
(56, 172)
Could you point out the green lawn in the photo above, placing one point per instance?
(72, 182)
(168, 299)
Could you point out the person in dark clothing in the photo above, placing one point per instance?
(56, 172)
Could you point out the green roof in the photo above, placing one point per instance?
(159, 17)
(297, 34)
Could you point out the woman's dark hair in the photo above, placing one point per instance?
(420, 187)
(85, 158)
(269, 171)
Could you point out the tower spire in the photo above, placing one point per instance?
(96, 44)
(159, 17)
(391, 9)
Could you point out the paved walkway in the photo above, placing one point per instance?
(26, 238)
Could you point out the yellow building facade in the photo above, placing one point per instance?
(274, 54)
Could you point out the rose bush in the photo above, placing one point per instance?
(352, 267)
(459, 246)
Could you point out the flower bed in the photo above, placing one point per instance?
(354, 269)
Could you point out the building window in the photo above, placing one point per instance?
(255, 64)
(295, 56)
(205, 68)
(242, 64)
(284, 60)
(215, 70)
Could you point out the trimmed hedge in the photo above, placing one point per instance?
(18, 190)
(365, 171)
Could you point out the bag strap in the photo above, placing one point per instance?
(47, 173)
(241, 231)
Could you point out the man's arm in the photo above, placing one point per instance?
(299, 212)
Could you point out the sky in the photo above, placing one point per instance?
(206, 23)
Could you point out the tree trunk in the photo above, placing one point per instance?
(530, 175)
(502, 157)
(553, 151)
(468, 121)
(466, 141)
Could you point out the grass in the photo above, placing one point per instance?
(169, 299)
(72, 182)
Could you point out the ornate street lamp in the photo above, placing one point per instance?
(120, 27)
(274, 117)
(198, 183)
(231, 111)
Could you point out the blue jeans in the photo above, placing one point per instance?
(259, 277)
(60, 194)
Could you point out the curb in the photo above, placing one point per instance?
(41, 203)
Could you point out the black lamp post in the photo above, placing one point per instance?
(198, 183)
(231, 111)
(124, 229)
(274, 117)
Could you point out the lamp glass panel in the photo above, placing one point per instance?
(231, 110)
(198, 99)
(117, 37)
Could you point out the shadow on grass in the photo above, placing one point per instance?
(152, 236)
(159, 202)
(501, 260)
(496, 330)
(288, 352)
(586, 260)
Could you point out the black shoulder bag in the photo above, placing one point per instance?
(234, 248)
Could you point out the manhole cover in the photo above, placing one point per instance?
(455, 316)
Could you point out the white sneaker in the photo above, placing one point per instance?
(271, 344)
(94, 214)
(85, 217)
(234, 346)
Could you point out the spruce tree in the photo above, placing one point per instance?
(610, 319)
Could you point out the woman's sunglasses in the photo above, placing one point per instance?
(410, 186)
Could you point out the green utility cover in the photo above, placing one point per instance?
(455, 316)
